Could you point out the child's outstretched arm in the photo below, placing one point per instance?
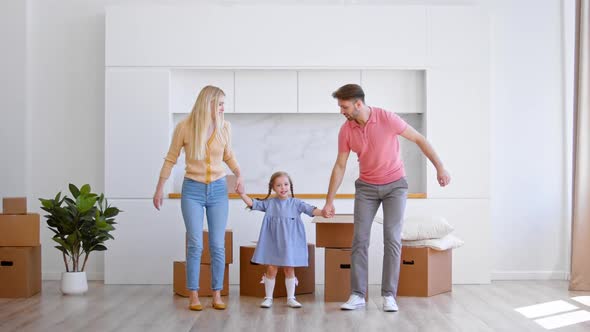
(317, 212)
(246, 199)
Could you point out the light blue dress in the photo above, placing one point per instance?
(282, 239)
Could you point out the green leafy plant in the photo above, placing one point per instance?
(81, 224)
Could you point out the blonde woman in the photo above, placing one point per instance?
(206, 139)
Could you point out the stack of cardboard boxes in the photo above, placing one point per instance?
(251, 275)
(20, 250)
(423, 271)
(335, 234)
(179, 267)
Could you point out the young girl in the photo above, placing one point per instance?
(282, 235)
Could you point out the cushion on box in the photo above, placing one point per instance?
(448, 242)
(425, 227)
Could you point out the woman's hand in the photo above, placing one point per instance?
(158, 199)
(239, 191)
(159, 195)
(239, 185)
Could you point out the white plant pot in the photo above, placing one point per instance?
(74, 283)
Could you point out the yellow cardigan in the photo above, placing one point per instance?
(209, 169)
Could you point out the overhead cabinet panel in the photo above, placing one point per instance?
(316, 87)
(187, 83)
(399, 91)
(266, 91)
(265, 35)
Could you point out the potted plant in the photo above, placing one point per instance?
(81, 225)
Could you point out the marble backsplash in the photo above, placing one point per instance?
(305, 146)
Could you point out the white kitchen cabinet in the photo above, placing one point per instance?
(266, 91)
(146, 243)
(315, 89)
(187, 83)
(411, 57)
(399, 91)
(137, 130)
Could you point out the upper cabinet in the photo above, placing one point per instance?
(399, 91)
(266, 91)
(315, 89)
(186, 84)
(299, 91)
(265, 35)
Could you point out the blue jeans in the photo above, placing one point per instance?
(197, 199)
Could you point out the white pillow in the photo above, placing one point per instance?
(448, 242)
(424, 228)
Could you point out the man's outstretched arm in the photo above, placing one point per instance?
(443, 177)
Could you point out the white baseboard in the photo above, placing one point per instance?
(57, 276)
(530, 275)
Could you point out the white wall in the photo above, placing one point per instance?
(66, 107)
(529, 212)
(12, 98)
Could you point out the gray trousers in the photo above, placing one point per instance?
(367, 199)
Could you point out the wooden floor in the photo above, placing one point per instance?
(154, 308)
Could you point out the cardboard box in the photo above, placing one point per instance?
(179, 284)
(337, 275)
(206, 255)
(251, 275)
(14, 205)
(19, 230)
(20, 271)
(424, 272)
(334, 232)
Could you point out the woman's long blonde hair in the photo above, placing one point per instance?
(200, 120)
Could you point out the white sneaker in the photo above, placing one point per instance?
(293, 303)
(354, 302)
(267, 303)
(389, 304)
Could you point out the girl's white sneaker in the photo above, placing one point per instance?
(293, 303)
(267, 303)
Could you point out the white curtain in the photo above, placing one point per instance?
(580, 270)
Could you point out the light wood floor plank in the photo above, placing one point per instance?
(155, 308)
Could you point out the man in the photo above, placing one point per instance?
(372, 133)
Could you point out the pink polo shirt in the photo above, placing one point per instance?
(376, 146)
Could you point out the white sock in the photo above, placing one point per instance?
(290, 285)
(269, 287)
